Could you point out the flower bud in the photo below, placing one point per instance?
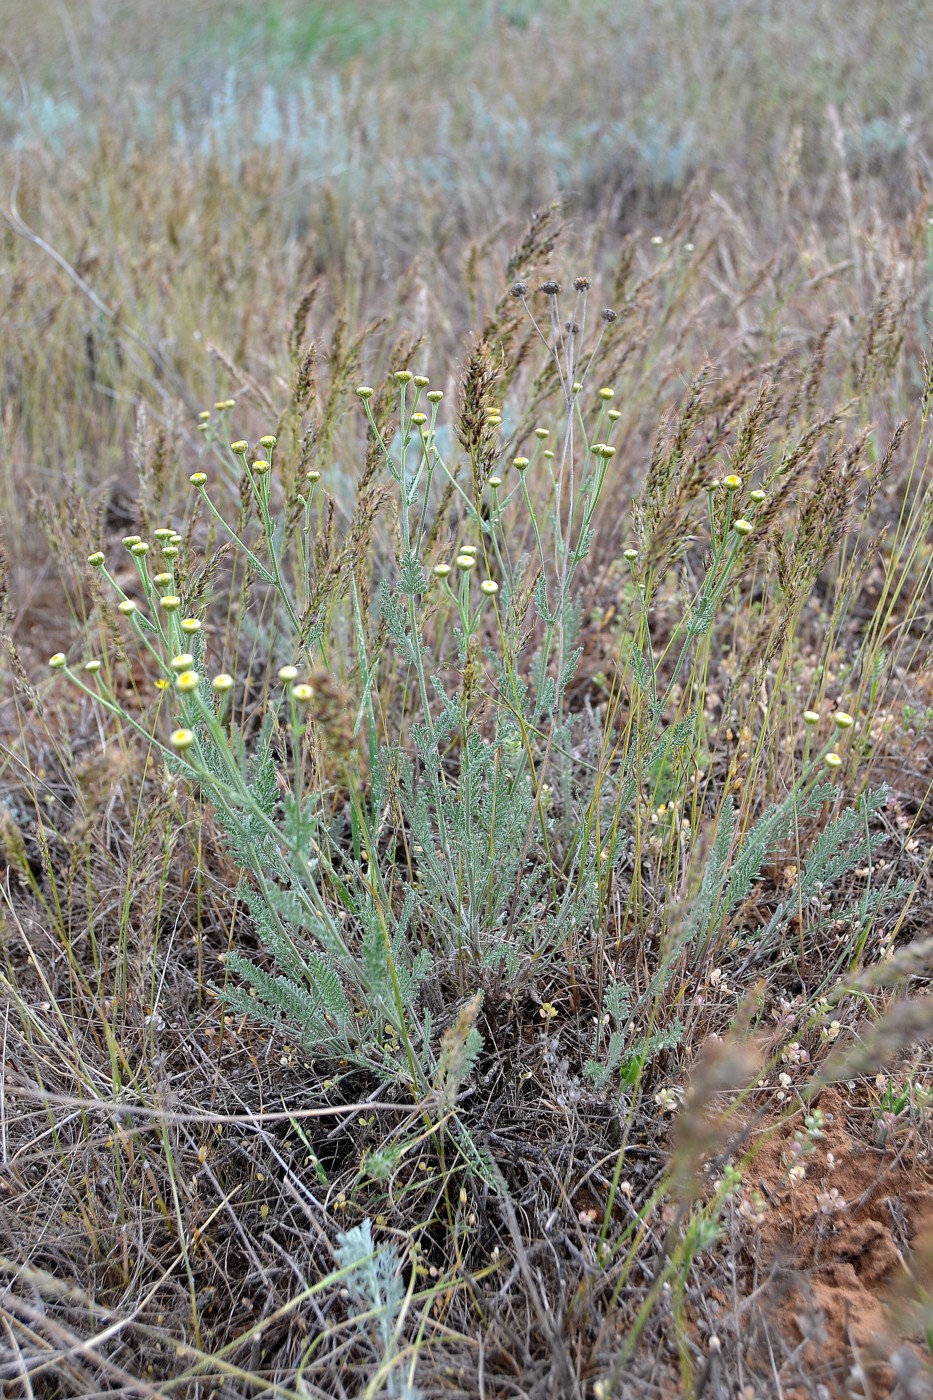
(489, 587)
(204, 415)
(183, 662)
(434, 395)
(127, 607)
(494, 482)
(288, 673)
(58, 661)
(240, 447)
(465, 562)
(129, 540)
(542, 433)
(96, 559)
(811, 717)
(191, 624)
(607, 394)
(313, 477)
(442, 570)
(188, 681)
(842, 720)
(170, 603)
(419, 419)
(161, 580)
(732, 482)
(832, 760)
(92, 667)
(181, 739)
(198, 478)
(364, 391)
(402, 376)
(161, 534)
(520, 464)
(169, 551)
(260, 467)
(630, 554)
(268, 442)
(757, 497)
(302, 692)
(140, 549)
(222, 683)
(743, 527)
(421, 381)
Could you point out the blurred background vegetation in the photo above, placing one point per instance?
(173, 181)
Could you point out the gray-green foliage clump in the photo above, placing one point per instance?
(446, 818)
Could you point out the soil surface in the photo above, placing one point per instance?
(843, 1254)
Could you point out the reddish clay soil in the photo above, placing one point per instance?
(842, 1258)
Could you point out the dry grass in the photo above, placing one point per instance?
(275, 206)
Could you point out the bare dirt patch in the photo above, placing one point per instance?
(841, 1250)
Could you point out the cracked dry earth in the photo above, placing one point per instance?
(841, 1259)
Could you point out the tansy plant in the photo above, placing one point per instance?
(475, 831)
